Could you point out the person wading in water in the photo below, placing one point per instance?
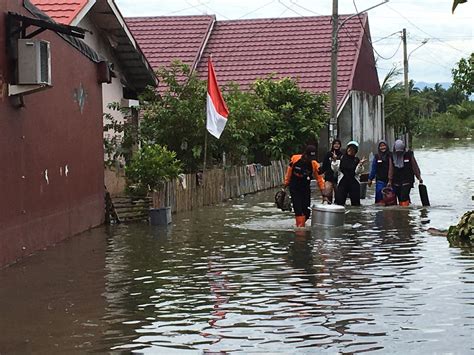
(349, 168)
(380, 170)
(405, 168)
(330, 178)
(301, 170)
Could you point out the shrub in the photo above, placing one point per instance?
(151, 167)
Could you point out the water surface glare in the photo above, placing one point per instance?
(237, 278)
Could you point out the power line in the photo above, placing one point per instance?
(381, 39)
(253, 11)
(306, 9)
(367, 36)
(396, 51)
(289, 8)
(414, 25)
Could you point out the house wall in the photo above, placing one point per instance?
(113, 92)
(97, 40)
(368, 125)
(52, 177)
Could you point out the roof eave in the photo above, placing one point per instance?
(138, 71)
(82, 13)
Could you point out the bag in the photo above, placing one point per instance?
(425, 201)
(283, 201)
(389, 197)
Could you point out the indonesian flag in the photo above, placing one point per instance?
(217, 110)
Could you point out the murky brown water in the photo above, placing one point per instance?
(235, 278)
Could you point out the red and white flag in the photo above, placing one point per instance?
(217, 110)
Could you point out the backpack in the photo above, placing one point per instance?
(283, 201)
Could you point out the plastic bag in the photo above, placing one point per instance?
(283, 200)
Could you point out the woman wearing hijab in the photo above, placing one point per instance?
(330, 178)
(380, 170)
(302, 169)
(349, 168)
(402, 176)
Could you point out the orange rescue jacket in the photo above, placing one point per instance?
(315, 165)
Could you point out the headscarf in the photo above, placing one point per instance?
(337, 151)
(383, 155)
(398, 152)
(310, 152)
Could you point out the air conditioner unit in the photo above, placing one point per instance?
(34, 62)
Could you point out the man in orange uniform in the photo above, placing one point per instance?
(302, 169)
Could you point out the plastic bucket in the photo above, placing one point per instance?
(160, 216)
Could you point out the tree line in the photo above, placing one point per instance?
(432, 112)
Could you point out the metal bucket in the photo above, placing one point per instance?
(328, 215)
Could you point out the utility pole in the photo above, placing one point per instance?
(405, 64)
(333, 123)
(333, 93)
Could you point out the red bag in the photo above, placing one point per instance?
(389, 197)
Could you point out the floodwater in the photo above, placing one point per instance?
(236, 278)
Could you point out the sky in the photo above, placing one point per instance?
(449, 36)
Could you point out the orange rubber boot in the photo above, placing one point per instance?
(404, 203)
(300, 221)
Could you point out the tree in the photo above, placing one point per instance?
(175, 116)
(463, 75)
(297, 116)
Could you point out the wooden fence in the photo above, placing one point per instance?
(191, 191)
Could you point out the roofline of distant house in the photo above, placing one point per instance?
(359, 45)
(203, 45)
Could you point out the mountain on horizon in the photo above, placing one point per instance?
(421, 85)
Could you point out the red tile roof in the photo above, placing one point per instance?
(244, 50)
(164, 39)
(61, 11)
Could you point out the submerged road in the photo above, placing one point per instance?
(235, 278)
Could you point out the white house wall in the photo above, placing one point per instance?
(112, 92)
(368, 126)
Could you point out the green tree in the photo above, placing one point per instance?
(174, 116)
(297, 116)
(463, 75)
(248, 120)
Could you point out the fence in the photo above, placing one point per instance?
(191, 191)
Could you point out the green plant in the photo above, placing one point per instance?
(462, 234)
(151, 166)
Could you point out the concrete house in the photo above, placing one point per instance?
(108, 34)
(52, 176)
(300, 48)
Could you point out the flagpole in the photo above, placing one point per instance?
(205, 152)
(205, 128)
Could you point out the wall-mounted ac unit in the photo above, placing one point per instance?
(34, 62)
